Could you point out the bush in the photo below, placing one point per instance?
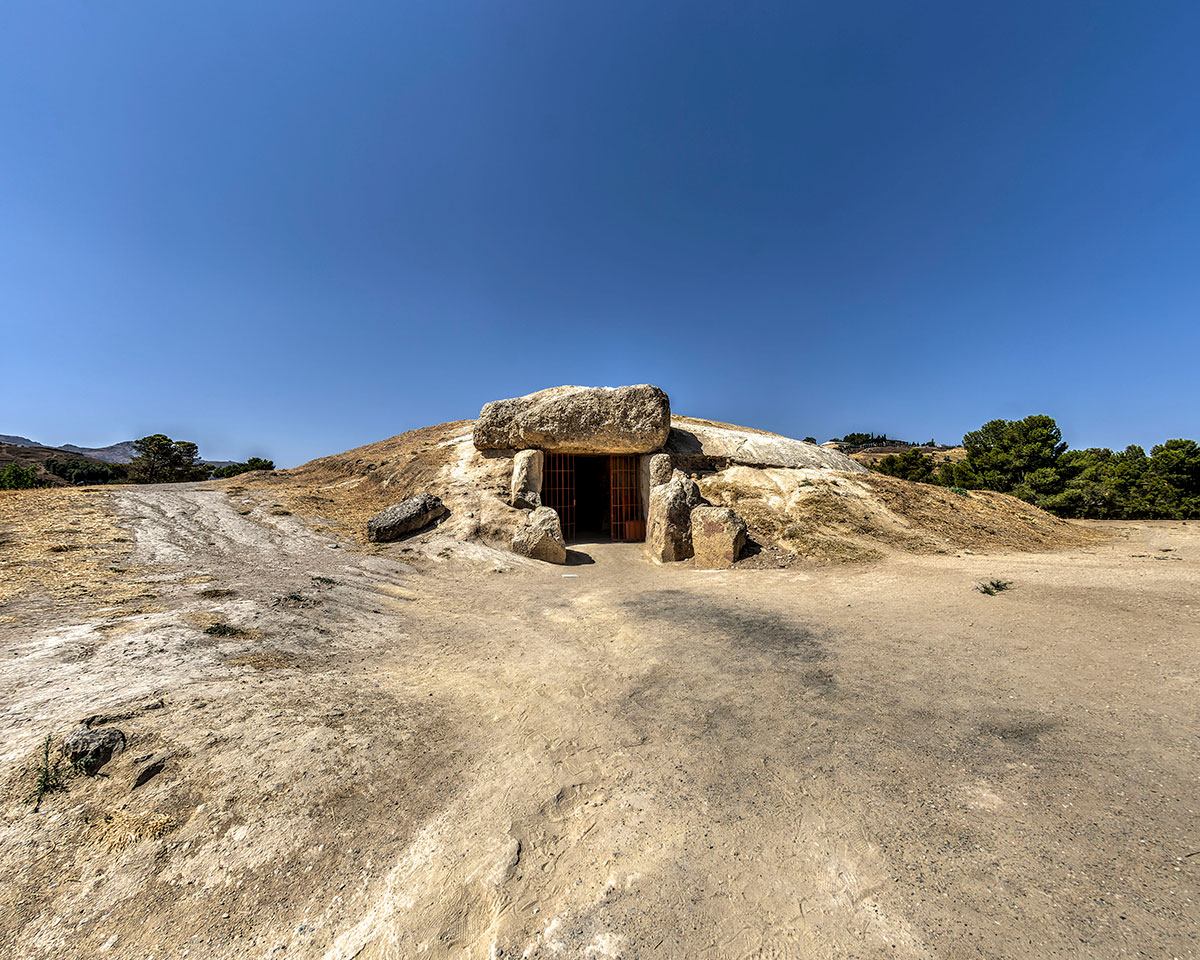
(233, 469)
(910, 465)
(87, 471)
(16, 477)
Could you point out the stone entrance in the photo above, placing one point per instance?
(595, 496)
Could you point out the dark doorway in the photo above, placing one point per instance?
(592, 520)
(596, 497)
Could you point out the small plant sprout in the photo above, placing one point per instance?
(49, 776)
(990, 588)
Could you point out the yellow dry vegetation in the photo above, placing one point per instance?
(342, 492)
(64, 542)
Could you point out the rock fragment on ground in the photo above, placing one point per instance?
(540, 537)
(718, 537)
(405, 517)
(90, 749)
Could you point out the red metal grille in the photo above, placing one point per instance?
(628, 521)
(558, 490)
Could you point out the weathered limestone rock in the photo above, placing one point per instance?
(527, 479)
(695, 441)
(668, 520)
(660, 469)
(691, 490)
(718, 536)
(540, 537)
(91, 749)
(405, 517)
(634, 419)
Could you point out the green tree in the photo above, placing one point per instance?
(233, 469)
(1011, 456)
(86, 471)
(163, 460)
(911, 465)
(16, 477)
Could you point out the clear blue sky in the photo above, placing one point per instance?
(292, 227)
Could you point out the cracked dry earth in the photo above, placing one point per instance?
(438, 750)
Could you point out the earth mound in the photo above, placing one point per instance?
(798, 500)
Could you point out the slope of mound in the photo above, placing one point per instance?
(861, 516)
(813, 511)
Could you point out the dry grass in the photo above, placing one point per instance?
(851, 517)
(345, 490)
(120, 829)
(64, 542)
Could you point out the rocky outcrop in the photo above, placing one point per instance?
(668, 519)
(634, 419)
(698, 444)
(89, 749)
(718, 537)
(527, 479)
(405, 517)
(540, 537)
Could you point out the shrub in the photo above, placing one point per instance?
(233, 469)
(16, 477)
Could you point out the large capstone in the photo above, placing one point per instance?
(540, 537)
(527, 479)
(718, 536)
(668, 519)
(633, 419)
(405, 517)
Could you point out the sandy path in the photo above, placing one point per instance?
(465, 755)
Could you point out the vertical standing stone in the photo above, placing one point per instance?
(527, 479)
(718, 537)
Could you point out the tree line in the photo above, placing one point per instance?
(1028, 459)
(159, 460)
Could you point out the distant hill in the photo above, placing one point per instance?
(121, 452)
(35, 455)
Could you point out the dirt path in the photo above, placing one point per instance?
(443, 751)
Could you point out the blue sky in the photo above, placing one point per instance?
(289, 228)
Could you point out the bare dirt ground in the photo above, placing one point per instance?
(439, 750)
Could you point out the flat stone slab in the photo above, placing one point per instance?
(633, 419)
(691, 438)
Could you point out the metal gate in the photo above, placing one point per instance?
(558, 490)
(625, 499)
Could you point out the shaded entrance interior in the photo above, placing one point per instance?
(592, 509)
(596, 497)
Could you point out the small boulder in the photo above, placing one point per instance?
(718, 537)
(89, 749)
(527, 479)
(540, 537)
(405, 517)
(668, 520)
